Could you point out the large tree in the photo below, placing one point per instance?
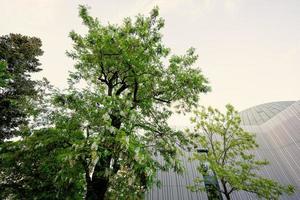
(102, 141)
(132, 84)
(230, 155)
(19, 58)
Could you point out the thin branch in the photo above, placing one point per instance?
(232, 189)
(162, 100)
(111, 54)
(210, 137)
(114, 76)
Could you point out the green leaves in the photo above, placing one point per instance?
(18, 59)
(103, 137)
(87, 20)
(40, 166)
(229, 154)
(128, 99)
(4, 74)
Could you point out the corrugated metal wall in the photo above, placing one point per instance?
(277, 127)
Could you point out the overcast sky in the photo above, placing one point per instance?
(249, 49)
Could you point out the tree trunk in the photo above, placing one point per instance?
(98, 185)
(96, 188)
(227, 196)
(226, 192)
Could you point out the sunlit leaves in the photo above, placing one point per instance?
(229, 154)
(110, 126)
(128, 99)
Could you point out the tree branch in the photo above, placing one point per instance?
(135, 91)
(111, 54)
(162, 100)
(121, 89)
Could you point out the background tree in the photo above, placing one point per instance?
(19, 56)
(37, 167)
(132, 82)
(229, 155)
(27, 166)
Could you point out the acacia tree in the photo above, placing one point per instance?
(132, 83)
(18, 57)
(229, 155)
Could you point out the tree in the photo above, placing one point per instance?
(230, 155)
(132, 84)
(37, 167)
(24, 163)
(101, 141)
(18, 57)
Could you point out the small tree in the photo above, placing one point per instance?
(229, 155)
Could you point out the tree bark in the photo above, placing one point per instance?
(226, 193)
(227, 196)
(96, 187)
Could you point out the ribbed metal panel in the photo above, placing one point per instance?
(277, 129)
(279, 141)
(174, 186)
(260, 114)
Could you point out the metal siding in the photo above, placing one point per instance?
(277, 129)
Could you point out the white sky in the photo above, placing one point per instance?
(249, 49)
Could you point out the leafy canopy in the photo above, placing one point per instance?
(130, 83)
(105, 133)
(37, 167)
(18, 59)
(230, 154)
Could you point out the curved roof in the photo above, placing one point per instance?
(260, 114)
(277, 129)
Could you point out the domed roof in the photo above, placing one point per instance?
(258, 115)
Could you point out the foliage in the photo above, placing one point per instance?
(229, 154)
(18, 57)
(102, 140)
(40, 167)
(132, 82)
(27, 164)
(4, 75)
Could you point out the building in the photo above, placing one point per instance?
(277, 129)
